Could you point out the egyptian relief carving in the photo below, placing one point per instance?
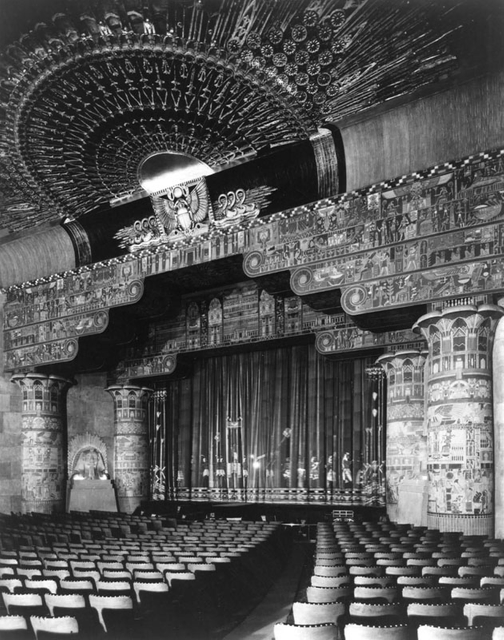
(87, 458)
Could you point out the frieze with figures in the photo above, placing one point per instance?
(350, 337)
(42, 323)
(448, 198)
(429, 255)
(428, 286)
(421, 238)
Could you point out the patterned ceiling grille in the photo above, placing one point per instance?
(88, 94)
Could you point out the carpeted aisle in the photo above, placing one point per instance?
(277, 604)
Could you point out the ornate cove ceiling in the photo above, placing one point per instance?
(94, 87)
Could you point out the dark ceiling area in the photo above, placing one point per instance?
(89, 89)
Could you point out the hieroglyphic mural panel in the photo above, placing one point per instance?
(448, 198)
(423, 237)
(42, 323)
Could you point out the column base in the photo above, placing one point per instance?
(468, 524)
(412, 502)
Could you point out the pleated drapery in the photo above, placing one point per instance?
(262, 423)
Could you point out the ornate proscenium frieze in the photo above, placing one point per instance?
(44, 320)
(424, 237)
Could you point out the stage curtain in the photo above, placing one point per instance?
(283, 418)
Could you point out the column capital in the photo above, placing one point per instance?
(125, 389)
(493, 311)
(31, 377)
(418, 355)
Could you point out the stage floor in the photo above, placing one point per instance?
(287, 512)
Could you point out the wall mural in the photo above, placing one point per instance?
(246, 314)
(421, 238)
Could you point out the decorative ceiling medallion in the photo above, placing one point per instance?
(88, 94)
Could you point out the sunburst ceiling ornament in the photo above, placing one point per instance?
(88, 95)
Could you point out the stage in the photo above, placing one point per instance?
(291, 506)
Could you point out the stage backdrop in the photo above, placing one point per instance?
(272, 425)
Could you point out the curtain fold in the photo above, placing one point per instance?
(280, 421)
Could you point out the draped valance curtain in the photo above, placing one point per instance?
(283, 418)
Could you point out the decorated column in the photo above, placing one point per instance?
(498, 395)
(131, 445)
(459, 415)
(406, 439)
(43, 429)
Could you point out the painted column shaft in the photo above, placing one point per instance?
(131, 445)
(43, 448)
(460, 417)
(498, 394)
(406, 439)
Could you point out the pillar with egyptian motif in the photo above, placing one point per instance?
(131, 445)
(498, 395)
(406, 438)
(459, 415)
(43, 427)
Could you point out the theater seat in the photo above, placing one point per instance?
(115, 614)
(484, 614)
(373, 632)
(284, 631)
(318, 612)
(15, 628)
(61, 628)
(431, 632)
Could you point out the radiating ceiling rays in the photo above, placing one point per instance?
(88, 94)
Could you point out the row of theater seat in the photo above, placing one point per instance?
(167, 584)
(379, 581)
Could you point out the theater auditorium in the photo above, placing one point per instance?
(251, 308)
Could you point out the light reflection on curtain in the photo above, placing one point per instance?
(284, 418)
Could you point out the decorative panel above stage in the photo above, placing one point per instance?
(419, 240)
